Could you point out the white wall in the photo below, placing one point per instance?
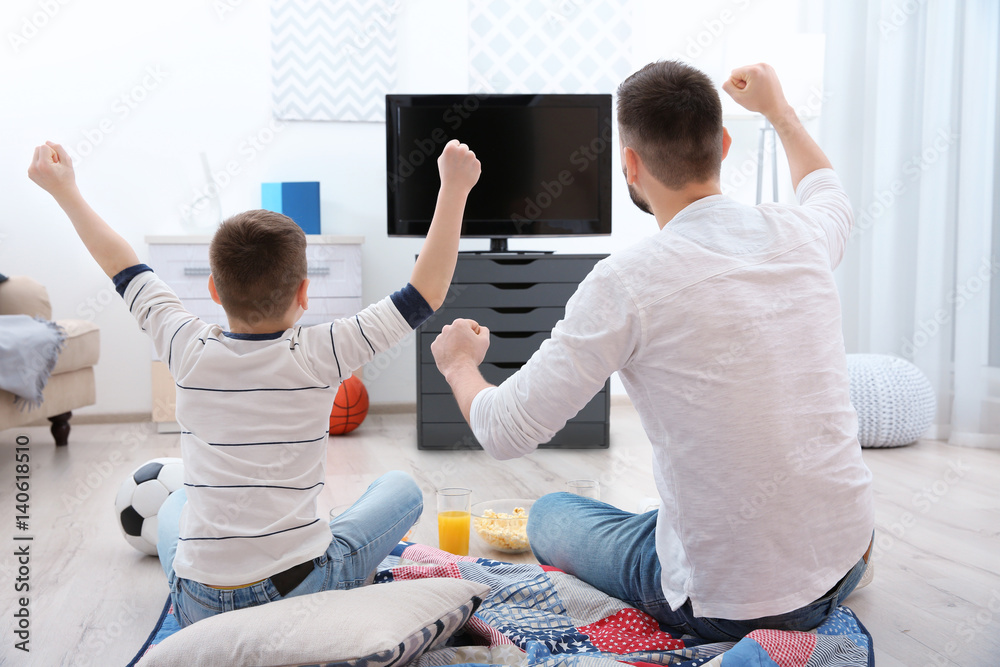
(139, 90)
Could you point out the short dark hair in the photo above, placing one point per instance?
(671, 115)
(258, 261)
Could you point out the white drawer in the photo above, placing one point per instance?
(334, 270)
(183, 267)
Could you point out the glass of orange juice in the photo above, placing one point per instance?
(454, 514)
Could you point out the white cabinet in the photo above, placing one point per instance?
(334, 271)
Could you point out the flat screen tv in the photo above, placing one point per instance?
(546, 163)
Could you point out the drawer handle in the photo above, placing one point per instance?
(513, 262)
(205, 271)
(513, 310)
(517, 334)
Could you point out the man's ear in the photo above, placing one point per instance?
(302, 295)
(727, 141)
(631, 162)
(211, 290)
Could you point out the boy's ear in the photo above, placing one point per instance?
(727, 141)
(214, 292)
(302, 295)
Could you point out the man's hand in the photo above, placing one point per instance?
(461, 344)
(756, 88)
(458, 167)
(52, 169)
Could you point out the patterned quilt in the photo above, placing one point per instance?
(541, 617)
(536, 616)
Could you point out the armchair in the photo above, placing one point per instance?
(71, 384)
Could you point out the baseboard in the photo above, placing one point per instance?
(80, 419)
(374, 408)
(392, 408)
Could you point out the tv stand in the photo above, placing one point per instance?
(498, 245)
(520, 297)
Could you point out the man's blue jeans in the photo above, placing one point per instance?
(615, 552)
(362, 537)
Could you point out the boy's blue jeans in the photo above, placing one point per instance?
(615, 552)
(362, 537)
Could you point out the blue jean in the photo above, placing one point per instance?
(362, 537)
(615, 552)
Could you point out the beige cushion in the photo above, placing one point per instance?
(63, 393)
(82, 346)
(380, 624)
(21, 295)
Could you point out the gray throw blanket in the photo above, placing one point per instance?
(29, 348)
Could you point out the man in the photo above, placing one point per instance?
(725, 330)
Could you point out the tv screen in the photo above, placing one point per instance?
(546, 162)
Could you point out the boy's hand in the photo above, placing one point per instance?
(463, 343)
(458, 167)
(52, 169)
(756, 88)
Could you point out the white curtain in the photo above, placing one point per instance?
(910, 123)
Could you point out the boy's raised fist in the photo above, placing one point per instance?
(458, 167)
(52, 169)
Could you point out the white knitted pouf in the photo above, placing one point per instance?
(894, 399)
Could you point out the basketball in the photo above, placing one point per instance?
(350, 407)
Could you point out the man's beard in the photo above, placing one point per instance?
(637, 199)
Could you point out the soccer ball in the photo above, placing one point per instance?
(140, 497)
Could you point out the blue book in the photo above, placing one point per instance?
(299, 201)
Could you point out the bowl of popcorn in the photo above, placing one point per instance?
(503, 524)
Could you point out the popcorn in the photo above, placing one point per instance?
(506, 532)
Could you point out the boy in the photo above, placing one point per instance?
(253, 401)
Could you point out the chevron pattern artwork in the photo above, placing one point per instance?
(333, 59)
(549, 46)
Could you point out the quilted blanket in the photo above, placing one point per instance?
(540, 616)
(537, 616)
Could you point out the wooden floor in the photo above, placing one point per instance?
(935, 598)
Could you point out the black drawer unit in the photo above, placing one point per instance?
(520, 297)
